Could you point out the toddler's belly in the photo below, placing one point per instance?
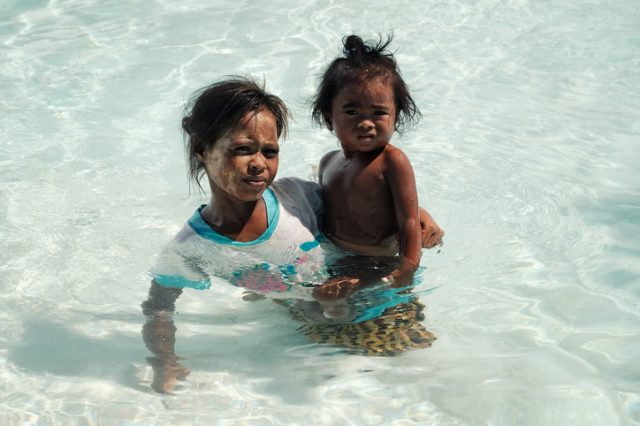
(387, 247)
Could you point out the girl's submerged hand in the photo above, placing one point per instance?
(431, 233)
(336, 288)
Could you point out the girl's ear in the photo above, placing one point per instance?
(327, 120)
(197, 146)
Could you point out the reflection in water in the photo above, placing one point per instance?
(370, 316)
(396, 330)
(357, 306)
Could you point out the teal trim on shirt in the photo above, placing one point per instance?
(203, 229)
(310, 245)
(373, 312)
(177, 281)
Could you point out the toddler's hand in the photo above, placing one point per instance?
(399, 280)
(403, 276)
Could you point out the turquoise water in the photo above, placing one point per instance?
(526, 155)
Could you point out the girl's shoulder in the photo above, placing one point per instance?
(292, 187)
(303, 197)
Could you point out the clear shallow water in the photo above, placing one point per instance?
(527, 155)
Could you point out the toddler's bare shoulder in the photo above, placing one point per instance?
(395, 157)
(328, 156)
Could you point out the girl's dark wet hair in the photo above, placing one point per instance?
(219, 109)
(363, 61)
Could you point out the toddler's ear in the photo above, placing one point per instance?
(200, 157)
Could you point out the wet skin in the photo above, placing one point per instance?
(369, 186)
(240, 166)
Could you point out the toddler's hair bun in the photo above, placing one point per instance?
(354, 46)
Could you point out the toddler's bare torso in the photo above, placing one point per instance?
(359, 206)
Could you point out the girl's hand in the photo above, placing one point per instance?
(332, 296)
(336, 288)
(431, 233)
(166, 373)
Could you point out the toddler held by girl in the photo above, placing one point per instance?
(371, 203)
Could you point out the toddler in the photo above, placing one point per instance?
(371, 204)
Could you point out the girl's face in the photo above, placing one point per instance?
(243, 164)
(363, 116)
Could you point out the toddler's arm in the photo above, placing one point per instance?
(401, 180)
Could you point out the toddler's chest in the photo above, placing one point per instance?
(346, 176)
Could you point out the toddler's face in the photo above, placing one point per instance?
(363, 116)
(244, 163)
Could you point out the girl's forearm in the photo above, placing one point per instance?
(159, 331)
(159, 334)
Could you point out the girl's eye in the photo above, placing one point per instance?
(351, 112)
(242, 149)
(381, 113)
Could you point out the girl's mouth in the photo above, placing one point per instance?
(257, 182)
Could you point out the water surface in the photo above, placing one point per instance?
(526, 155)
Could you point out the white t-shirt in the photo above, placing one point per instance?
(287, 254)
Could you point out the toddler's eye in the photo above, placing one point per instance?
(381, 112)
(243, 149)
(270, 153)
(351, 112)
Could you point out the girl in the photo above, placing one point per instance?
(371, 204)
(254, 232)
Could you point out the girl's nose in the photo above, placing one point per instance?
(257, 164)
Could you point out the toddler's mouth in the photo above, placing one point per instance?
(367, 136)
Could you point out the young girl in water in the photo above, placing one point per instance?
(254, 233)
(371, 203)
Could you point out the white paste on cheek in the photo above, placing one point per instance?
(212, 162)
(221, 169)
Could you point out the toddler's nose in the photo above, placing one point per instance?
(365, 124)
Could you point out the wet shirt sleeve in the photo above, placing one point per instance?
(176, 266)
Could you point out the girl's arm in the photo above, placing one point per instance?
(159, 334)
(402, 183)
